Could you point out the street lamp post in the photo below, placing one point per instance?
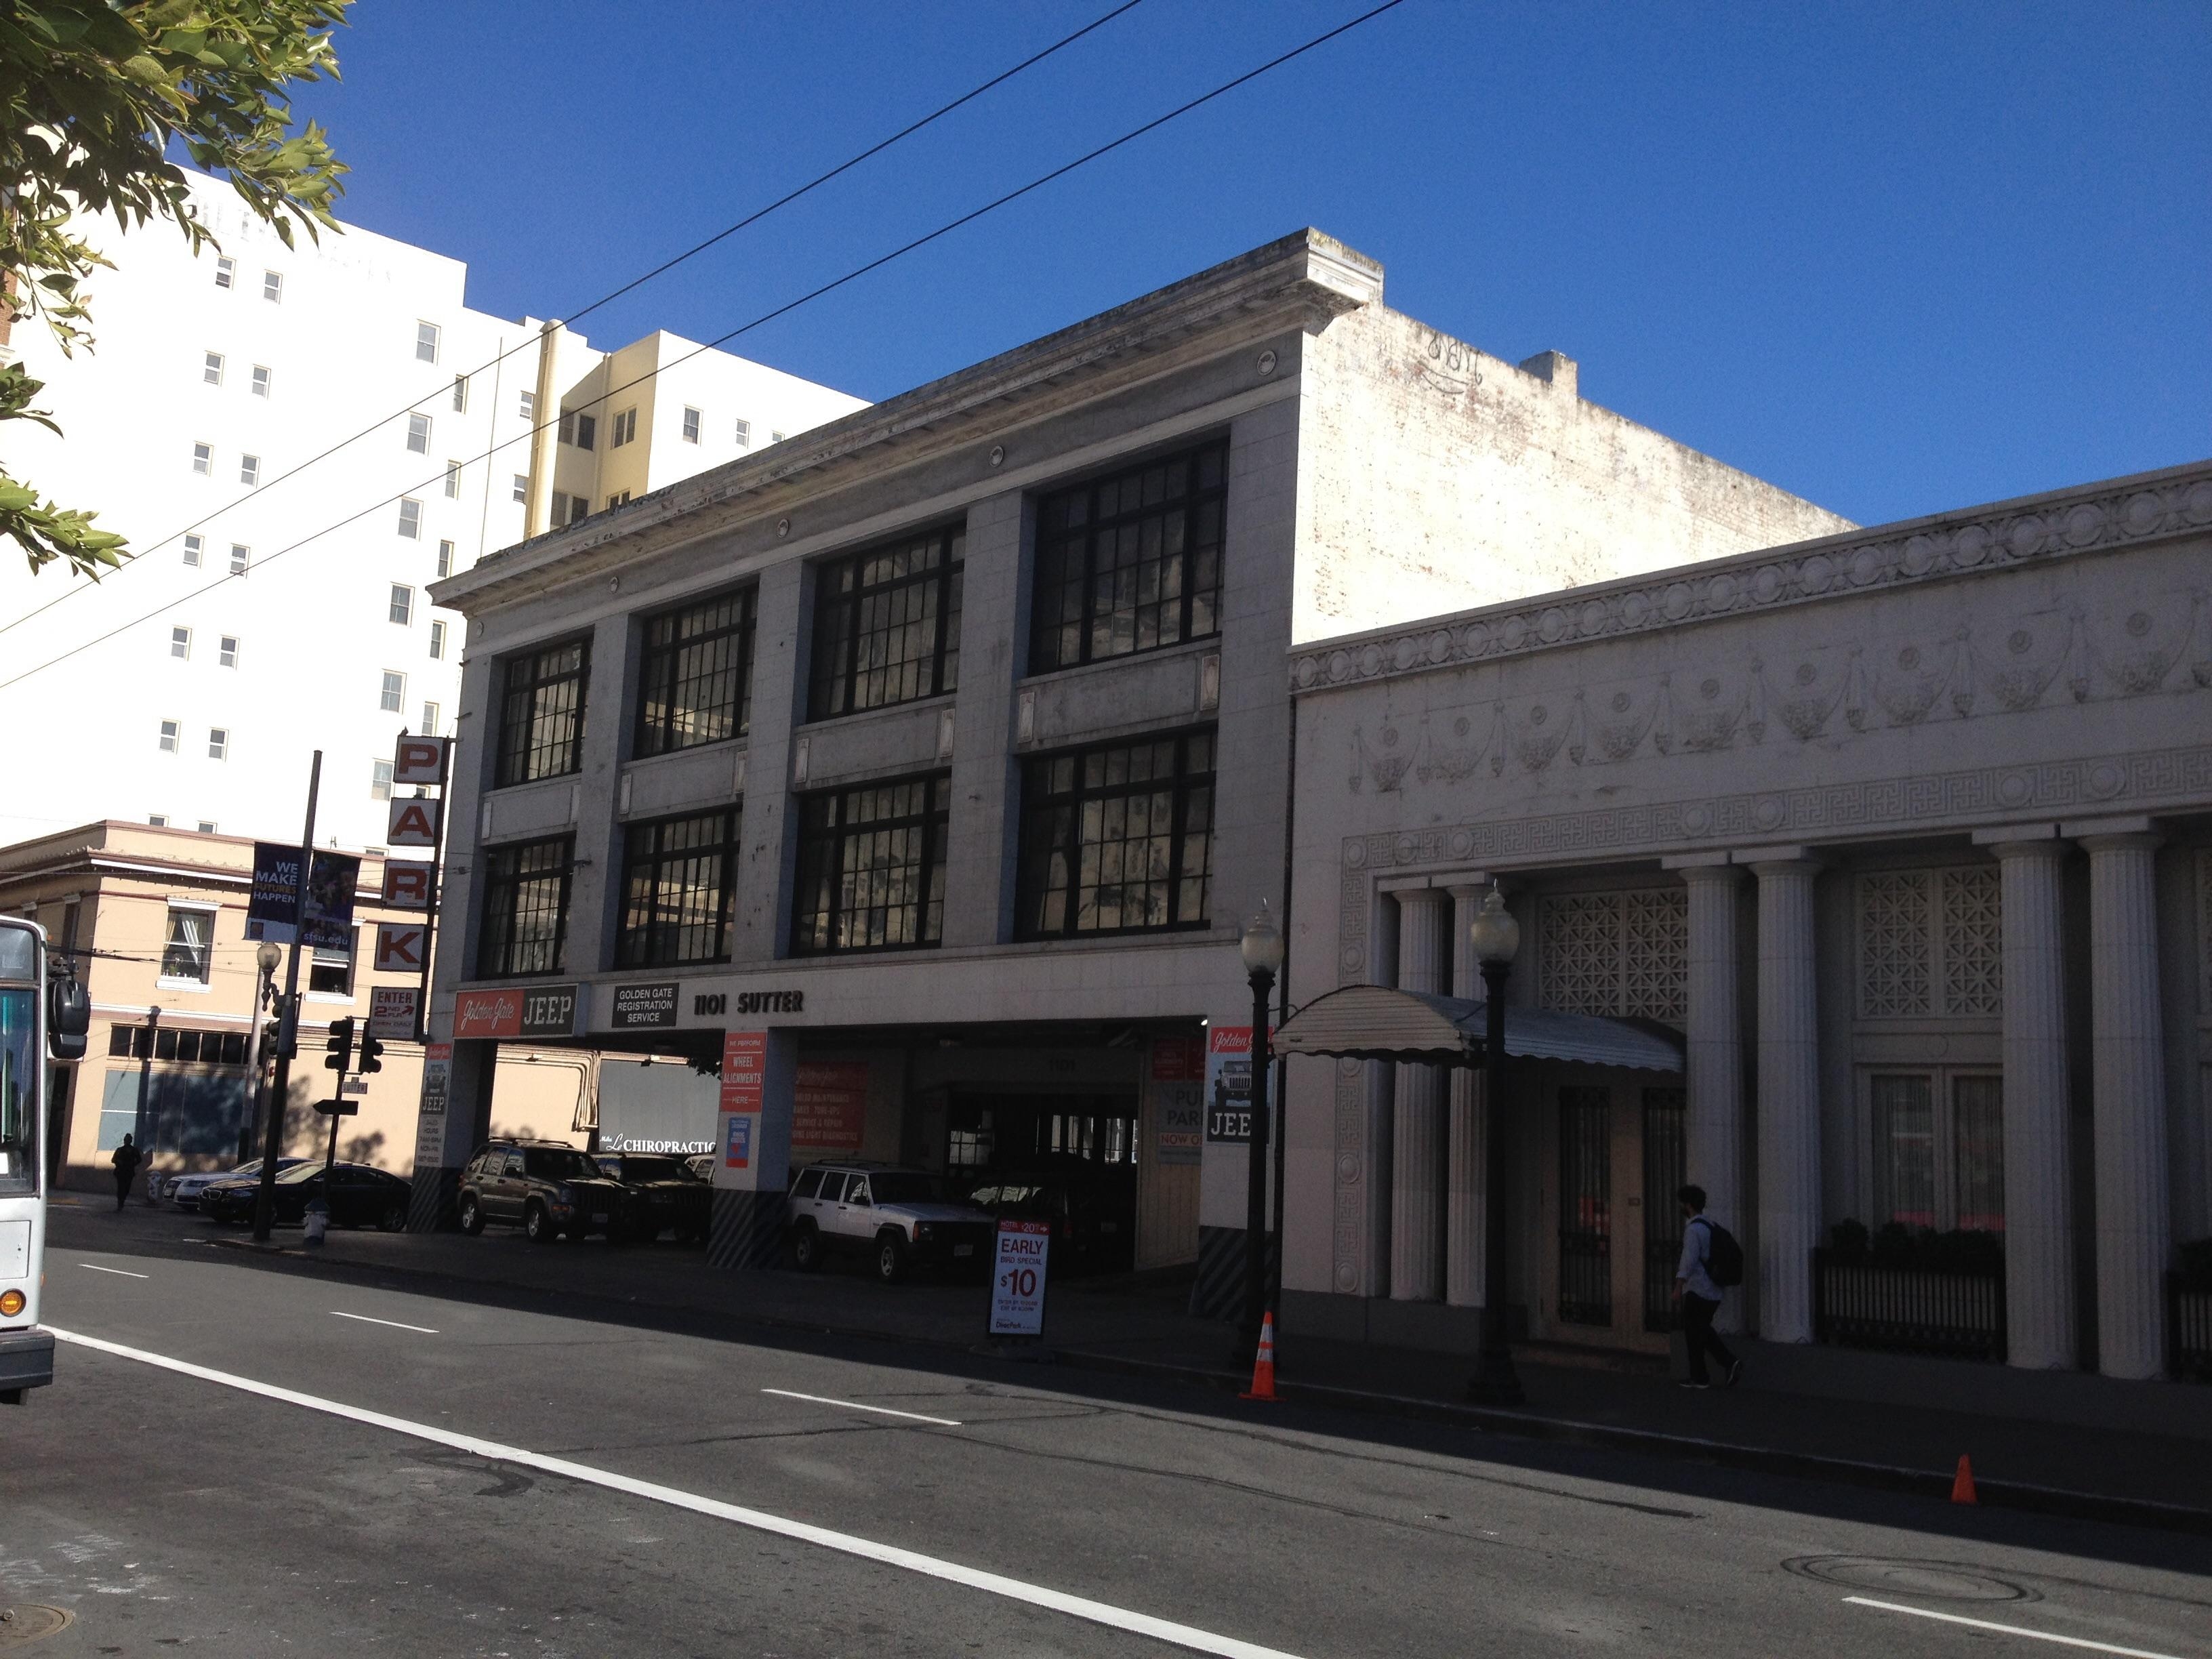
(1495, 936)
(1261, 948)
(266, 959)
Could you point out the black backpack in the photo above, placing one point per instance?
(1724, 1256)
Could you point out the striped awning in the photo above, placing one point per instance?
(1373, 1022)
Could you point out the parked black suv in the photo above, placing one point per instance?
(547, 1188)
(664, 1193)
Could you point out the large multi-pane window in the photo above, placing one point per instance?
(541, 713)
(526, 907)
(1939, 1148)
(1117, 838)
(1130, 563)
(872, 866)
(697, 683)
(678, 891)
(887, 625)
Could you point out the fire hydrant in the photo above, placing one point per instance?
(318, 1222)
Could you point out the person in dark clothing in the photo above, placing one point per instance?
(1698, 1297)
(126, 1161)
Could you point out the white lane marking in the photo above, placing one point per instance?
(394, 1323)
(856, 1405)
(2008, 1629)
(1013, 1589)
(117, 1272)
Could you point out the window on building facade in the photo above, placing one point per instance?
(226, 271)
(194, 547)
(426, 343)
(410, 519)
(272, 287)
(157, 820)
(460, 394)
(429, 726)
(872, 866)
(181, 642)
(1939, 1147)
(744, 433)
(241, 558)
(887, 625)
(521, 487)
(207, 826)
(579, 428)
(1130, 563)
(211, 368)
(1930, 944)
(218, 742)
(188, 951)
(204, 459)
(529, 403)
(452, 485)
(437, 639)
(249, 468)
(393, 697)
(526, 909)
(169, 735)
(678, 891)
(624, 426)
(697, 683)
(568, 509)
(418, 435)
(445, 560)
(775, 437)
(400, 607)
(1117, 838)
(227, 651)
(263, 379)
(1624, 954)
(619, 498)
(541, 727)
(329, 974)
(180, 1044)
(380, 780)
(692, 419)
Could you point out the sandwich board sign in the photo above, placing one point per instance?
(1017, 1277)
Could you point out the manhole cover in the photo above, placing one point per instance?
(1941, 1581)
(27, 1621)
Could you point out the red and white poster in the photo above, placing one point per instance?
(829, 1106)
(744, 1069)
(1177, 1099)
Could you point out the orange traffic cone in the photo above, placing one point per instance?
(1962, 1484)
(1263, 1367)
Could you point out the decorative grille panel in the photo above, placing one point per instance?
(1931, 944)
(2204, 926)
(1623, 953)
(1973, 942)
(1894, 939)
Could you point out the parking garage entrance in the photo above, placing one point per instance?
(1068, 1160)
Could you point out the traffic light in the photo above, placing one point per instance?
(340, 1058)
(372, 1053)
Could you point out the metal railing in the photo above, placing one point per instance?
(1960, 1315)
(2189, 1328)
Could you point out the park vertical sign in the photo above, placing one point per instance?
(415, 821)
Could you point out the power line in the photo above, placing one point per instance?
(662, 269)
(766, 316)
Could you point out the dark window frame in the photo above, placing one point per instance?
(661, 670)
(822, 898)
(655, 939)
(504, 878)
(1065, 615)
(1054, 826)
(850, 608)
(528, 681)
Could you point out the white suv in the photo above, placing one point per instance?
(900, 1217)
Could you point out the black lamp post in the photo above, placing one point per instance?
(1263, 950)
(1495, 936)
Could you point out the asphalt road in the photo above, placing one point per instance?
(655, 1490)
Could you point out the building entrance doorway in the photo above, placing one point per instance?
(1069, 1159)
(1614, 1160)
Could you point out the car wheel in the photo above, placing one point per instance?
(393, 1219)
(890, 1258)
(806, 1248)
(539, 1225)
(472, 1215)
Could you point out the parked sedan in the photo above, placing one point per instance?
(361, 1197)
(664, 1194)
(183, 1190)
(1093, 1218)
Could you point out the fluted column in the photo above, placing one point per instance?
(1463, 1162)
(2130, 1104)
(1789, 1100)
(1713, 1124)
(2038, 1200)
(1417, 1140)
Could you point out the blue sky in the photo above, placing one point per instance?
(1895, 257)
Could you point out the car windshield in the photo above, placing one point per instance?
(653, 1169)
(19, 1077)
(905, 1186)
(561, 1164)
(299, 1172)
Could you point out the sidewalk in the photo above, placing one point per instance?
(1136, 1326)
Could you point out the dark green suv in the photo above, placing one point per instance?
(547, 1188)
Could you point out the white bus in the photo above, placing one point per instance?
(31, 1020)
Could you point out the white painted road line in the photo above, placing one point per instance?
(117, 1272)
(2008, 1629)
(394, 1323)
(1013, 1589)
(856, 1405)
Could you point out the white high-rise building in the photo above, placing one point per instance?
(293, 611)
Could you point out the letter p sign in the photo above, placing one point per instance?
(419, 760)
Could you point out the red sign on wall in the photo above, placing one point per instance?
(1179, 1060)
(744, 1069)
(829, 1106)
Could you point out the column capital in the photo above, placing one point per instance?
(1416, 896)
(1777, 860)
(2013, 835)
(2046, 848)
(1469, 886)
(2093, 841)
(1717, 872)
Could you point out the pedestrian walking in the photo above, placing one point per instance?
(1711, 1261)
(126, 1161)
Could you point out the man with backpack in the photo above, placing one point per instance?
(1711, 1261)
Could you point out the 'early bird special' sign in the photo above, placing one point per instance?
(1017, 1273)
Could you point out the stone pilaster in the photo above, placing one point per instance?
(2128, 1065)
(2039, 1204)
(1788, 1099)
(1713, 1128)
(1464, 1176)
(1417, 1140)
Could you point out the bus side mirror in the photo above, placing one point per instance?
(68, 1016)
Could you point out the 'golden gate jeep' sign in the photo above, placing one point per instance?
(539, 1011)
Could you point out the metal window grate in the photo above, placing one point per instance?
(1118, 838)
(696, 685)
(678, 891)
(1585, 1206)
(1666, 1159)
(1131, 561)
(541, 725)
(525, 913)
(872, 866)
(887, 625)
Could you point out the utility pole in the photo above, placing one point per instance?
(287, 1042)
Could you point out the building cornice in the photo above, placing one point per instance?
(2143, 507)
(1302, 280)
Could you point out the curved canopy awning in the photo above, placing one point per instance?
(1373, 1022)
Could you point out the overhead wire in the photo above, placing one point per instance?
(852, 276)
(606, 299)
